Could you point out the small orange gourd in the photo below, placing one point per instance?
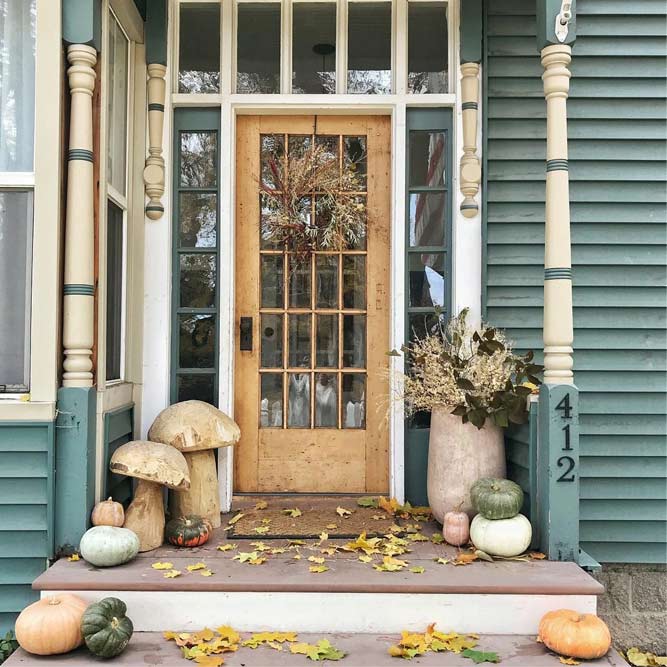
(51, 625)
(456, 528)
(575, 635)
(108, 513)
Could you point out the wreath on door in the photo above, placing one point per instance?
(338, 218)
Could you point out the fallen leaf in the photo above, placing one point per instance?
(293, 512)
(417, 570)
(73, 558)
(437, 538)
(245, 556)
(389, 505)
(261, 530)
(479, 657)
(206, 573)
(235, 518)
(465, 558)
(209, 660)
(323, 650)
(261, 505)
(368, 546)
(441, 561)
(172, 574)
(226, 547)
(644, 659)
(341, 511)
(331, 526)
(536, 555)
(316, 559)
(266, 522)
(368, 501)
(365, 559)
(260, 638)
(568, 661)
(482, 555)
(196, 566)
(260, 546)
(329, 551)
(296, 542)
(162, 566)
(390, 564)
(324, 537)
(297, 557)
(317, 569)
(277, 550)
(418, 537)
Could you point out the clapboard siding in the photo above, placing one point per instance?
(617, 157)
(26, 507)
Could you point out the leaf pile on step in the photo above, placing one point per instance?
(413, 644)
(207, 646)
(644, 659)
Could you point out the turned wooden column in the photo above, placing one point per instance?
(471, 172)
(154, 170)
(79, 288)
(558, 326)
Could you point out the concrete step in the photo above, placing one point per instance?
(147, 649)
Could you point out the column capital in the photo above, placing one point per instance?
(556, 76)
(81, 73)
(156, 70)
(469, 69)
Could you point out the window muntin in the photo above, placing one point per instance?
(199, 48)
(258, 47)
(427, 47)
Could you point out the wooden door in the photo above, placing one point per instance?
(310, 394)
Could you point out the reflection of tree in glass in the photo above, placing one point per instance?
(427, 82)
(254, 82)
(198, 216)
(326, 82)
(197, 342)
(193, 81)
(369, 82)
(198, 278)
(198, 159)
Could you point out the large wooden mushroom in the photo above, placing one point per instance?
(196, 429)
(155, 465)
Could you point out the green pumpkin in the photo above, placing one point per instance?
(105, 628)
(496, 498)
(108, 546)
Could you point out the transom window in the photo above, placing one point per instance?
(313, 47)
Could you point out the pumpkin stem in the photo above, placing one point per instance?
(54, 600)
(115, 622)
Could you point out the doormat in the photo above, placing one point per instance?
(293, 522)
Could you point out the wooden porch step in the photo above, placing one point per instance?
(148, 649)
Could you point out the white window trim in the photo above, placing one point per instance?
(466, 278)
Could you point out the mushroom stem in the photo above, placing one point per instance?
(145, 515)
(202, 498)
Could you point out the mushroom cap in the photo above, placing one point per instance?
(192, 426)
(152, 461)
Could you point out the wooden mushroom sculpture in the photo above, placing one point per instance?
(196, 429)
(155, 465)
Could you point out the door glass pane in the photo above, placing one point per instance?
(199, 48)
(258, 48)
(15, 254)
(271, 401)
(272, 153)
(299, 341)
(369, 48)
(267, 206)
(354, 281)
(272, 281)
(197, 280)
(272, 340)
(298, 406)
(427, 279)
(198, 159)
(354, 341)
(299, 283)
(117, 109)
(427, 218)
(326, 342)
(355, 158)
(326, 400)
(196, 341)
(314, 47)
(427, 47)
(353, 404)
(198, 213)
(329, 144)
(114, 296)
(428, 158)
(298, 144)
(326, 278)
(17, 85)
(199, 387)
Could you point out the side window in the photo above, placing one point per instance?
(17, 122)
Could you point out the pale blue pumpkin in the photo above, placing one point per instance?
(107, 546)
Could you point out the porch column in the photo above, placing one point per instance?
(154, 170)
(79, 288)
(471, 172)
(558, 328)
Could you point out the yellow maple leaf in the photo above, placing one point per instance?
(465, 558)
(206, 573)
(260, 546)
(368, 546)
(390, 564)
(257, 561)
(441, 561)
(341, 511)
(269, 638)
(162, 566)
(228, 633)
(226, 547)
(417, 570)
(261, 505)
(172, 574)
(329, 551)
(331, 526)
(235, 518)
(317, 569)
(209, 660)
(277, 550)
(204, 635)
(365, 559)
(294, 512)
(73, 558)
(389, 505)
(297, 557)
(568, 661)
(324, 536)
(261, 530)
(196, 566)
(316, 559)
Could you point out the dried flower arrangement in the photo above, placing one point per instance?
(473, 372)
(340, 217)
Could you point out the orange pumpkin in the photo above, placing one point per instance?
(575, 635)
(51, 625)
(108, 513)
(456, 528)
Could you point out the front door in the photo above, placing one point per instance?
(312, 332)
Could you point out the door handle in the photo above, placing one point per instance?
(245, 338)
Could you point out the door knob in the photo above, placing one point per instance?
(245, 338)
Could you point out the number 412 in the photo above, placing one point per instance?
(566, 462)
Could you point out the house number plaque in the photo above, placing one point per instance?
(566, 464)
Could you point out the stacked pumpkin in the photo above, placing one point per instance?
(499, 529)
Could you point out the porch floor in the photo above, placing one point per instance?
(363, 650)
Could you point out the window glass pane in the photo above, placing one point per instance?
(199, 159)
(15, 253)
(326, 343)
(114, 290)
(299, 282)
(17, 85)
(354, 341)
(298, 406)
(427, 47)
(427, 279)
(354, 400)
(199, 387)
(272, 281)
(314, 47)
(272, 152)
(198, 213)
(427, 218)
(354, 281)
(428, 158)
(117, 111)
(271, 406)
(299, 341)
(369, 47)
(272, 340)
(198, 279)
(199, 48)
(258, 50)
(196, 341)
(326, 278)
(326, 401)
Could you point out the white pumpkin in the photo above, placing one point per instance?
(107, 546)
(501, 537)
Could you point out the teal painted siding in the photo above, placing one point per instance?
(617, 169)
(26, 507)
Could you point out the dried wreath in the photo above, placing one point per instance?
(340, 214)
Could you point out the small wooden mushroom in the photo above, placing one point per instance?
(196, 429)
(155, 465)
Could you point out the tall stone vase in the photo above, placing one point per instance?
(458, 455)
